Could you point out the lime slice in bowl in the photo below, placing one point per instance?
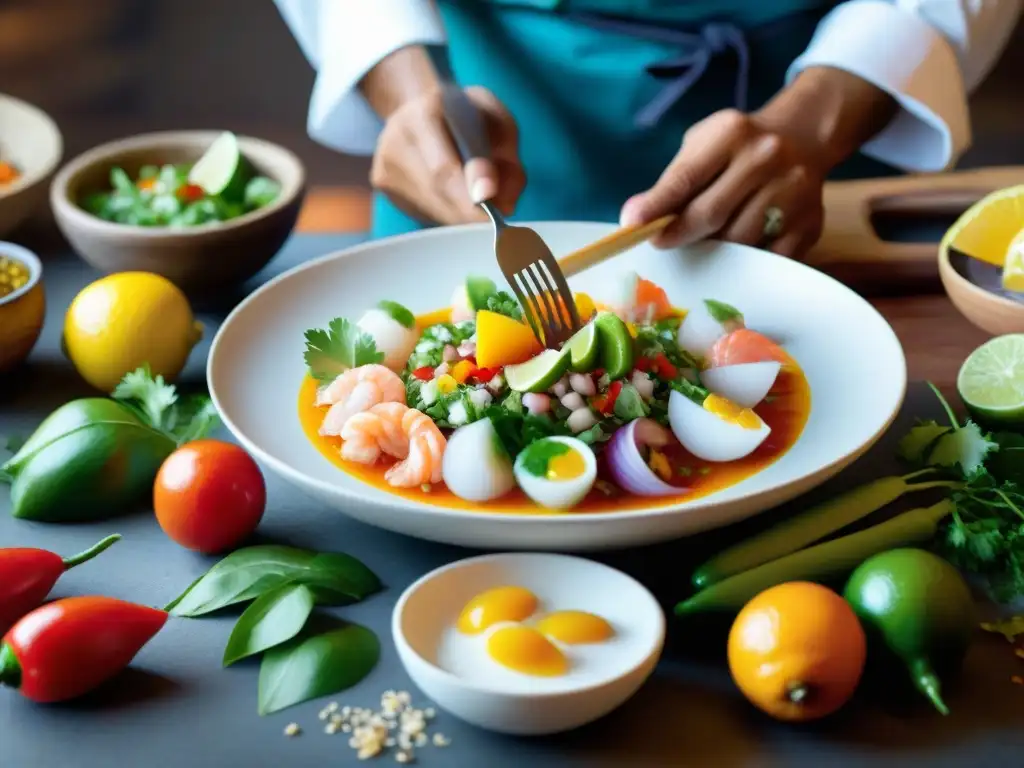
(538, 373)
(991, 381)
(221, 170)
(616, 344)
(583, 348)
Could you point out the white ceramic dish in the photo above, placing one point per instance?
(852, 359)
(454, 670)
(32, 141)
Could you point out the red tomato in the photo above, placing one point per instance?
(209, 496)
(190, 193)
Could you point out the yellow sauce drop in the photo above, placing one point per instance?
(495, 605)
(575, 627)
(526, 650)
(566, 466)
(729, 411)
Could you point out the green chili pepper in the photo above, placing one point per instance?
(821, 562)
(808, 527)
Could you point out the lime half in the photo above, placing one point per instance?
(538, 373)
(221, 169)
(583, 348)
(616, 345)
(991, 381)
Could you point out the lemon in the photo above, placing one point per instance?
(126, 320)
(1013, 269)
(989, 227)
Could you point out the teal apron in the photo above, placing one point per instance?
(603, 90)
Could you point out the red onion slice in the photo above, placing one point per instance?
(627, 465)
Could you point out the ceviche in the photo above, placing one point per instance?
(464, 407)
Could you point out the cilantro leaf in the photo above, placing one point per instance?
(342, 346)
(966, 447)
(193, 418)
(537, 456)
(629, 405)
(505, 303)
(915, 444)
(722, 312)
(152, 397)
(691, 391)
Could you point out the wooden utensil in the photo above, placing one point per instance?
(611, 245)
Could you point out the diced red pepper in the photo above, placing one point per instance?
(484, 375)
(664, 367)
(426, 373)
(605, 403)
(599, 373)
(190, 192)
(643, 363)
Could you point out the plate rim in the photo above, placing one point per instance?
(501, 518)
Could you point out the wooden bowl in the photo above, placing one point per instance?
(21, 312)
(197, 259)
(32, 142)
(975, 289)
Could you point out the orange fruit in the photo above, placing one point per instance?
(797, 651)
(500, 340)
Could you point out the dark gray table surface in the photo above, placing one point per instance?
(177, 707)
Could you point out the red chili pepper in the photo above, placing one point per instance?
(606, 403)
(70, 646)
(484, 375)
(191, 192)
(426, 373)
(664, 367)
(27, 576)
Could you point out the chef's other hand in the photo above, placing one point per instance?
(418, 166)
(738, 180)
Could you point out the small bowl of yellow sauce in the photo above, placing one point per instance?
(528, 644)
(22, 304)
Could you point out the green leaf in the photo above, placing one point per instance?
(966, 447)
(722, 312)
(505, 303)
(399, 313)
(193, 418)
(629, 405)
(152, 395)
(1009, 628)
(273, 618)
(342, 346)
(247, 573)
(537, 456)
(310, 666)
(261, 191)
(915, 444)
(690, 391)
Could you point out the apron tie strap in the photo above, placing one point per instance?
(712, 39)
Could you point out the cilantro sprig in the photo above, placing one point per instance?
(329, 353)
(159, 405)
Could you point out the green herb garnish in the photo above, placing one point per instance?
(629, 405)
(537, 456)
(505, 303)
(342, 346)
(722, 312)
(400, 314)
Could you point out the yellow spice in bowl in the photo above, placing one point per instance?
(13, 275)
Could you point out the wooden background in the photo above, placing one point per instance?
(108, 68)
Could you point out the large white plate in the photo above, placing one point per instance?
(852, 358)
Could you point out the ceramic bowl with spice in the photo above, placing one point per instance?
(204, 209)
(22, 304)
(31, 147)
(528, 643)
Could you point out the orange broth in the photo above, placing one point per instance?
(785, 410)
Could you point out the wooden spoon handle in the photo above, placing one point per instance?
(611, 245)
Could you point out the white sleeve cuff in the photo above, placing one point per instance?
(899, 52)
(354, 35)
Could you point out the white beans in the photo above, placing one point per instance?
(467, 349)
(573, 401)
(481, 398)
(560, 387)
(441, 370)
(457, 413)
(450, 354)
(429, 392)
(644, 385)
(536, 403)
(581, 419)
(583, 384)
(497, 383)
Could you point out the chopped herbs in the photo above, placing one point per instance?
(342, 346)
(505, 304)
(691, 391)
(660, 339)
(538, 455)
(429, 350)
(629, 405)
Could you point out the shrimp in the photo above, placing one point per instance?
(426, 452)
(393, 429)
(745, 346)
(642, 301)
(358, 390)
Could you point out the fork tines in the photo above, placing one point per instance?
(536, 287)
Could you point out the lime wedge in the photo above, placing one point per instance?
(991, 381)
(1013, 267)
(478, 291)
(616, 345)
(538, 373)
(583, 348)
(222, 169)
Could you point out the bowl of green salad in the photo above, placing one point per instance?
(202, 208)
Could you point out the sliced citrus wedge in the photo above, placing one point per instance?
(986, 230)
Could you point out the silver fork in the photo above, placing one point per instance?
(524, 258)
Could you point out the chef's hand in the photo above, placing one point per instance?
(736, 180)
(418, 166)
(757, 178)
